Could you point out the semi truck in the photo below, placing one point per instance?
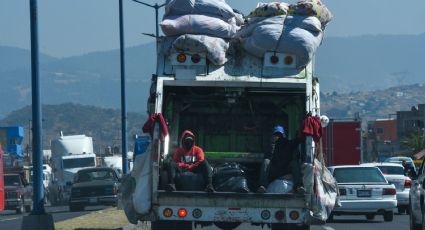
(69, 154)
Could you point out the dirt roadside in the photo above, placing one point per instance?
(106, 219)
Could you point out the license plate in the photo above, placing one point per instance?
(364, 193)
(93, 200)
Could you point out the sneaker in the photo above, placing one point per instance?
(209, 188)
(261, 189)
(171, 188)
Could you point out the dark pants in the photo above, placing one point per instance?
(266, 176)
(204, 168)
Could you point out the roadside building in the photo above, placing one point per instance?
(410, 121)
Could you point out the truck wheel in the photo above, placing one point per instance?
(388, 216)
(290, 227)
(20, 209)
(75, 207)
(171, 225)
(28, 208)
(227, 225)
(401, 210)
(370, 216)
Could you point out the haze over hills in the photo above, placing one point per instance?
(344, 65)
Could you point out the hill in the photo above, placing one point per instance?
(104, 125)
(344, 65)
(373, 104)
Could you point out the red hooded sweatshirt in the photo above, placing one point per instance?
(188, 159)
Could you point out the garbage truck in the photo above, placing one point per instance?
(231, 105)
(69, 154)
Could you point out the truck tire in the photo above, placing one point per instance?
(75, 208)
(171, 225)
(227, 225)
(290, 227)
(370, 216)
(20, 209)
(388, 216)
(28, 207)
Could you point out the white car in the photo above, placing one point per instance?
(364, 190)
(399, 160)
(394, 173)
(416, 200)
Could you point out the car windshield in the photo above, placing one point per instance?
(391, 170)
(84, 176)
(10, 180)
(78, 162)
(359, 175)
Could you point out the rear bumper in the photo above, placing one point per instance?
(403, 198)
(12, 204)
(97, 200)
(365, 206)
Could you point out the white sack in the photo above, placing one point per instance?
(142, 173)
(214, 7)
(197, 24)
(280, 186)
(215, 48)
(268, 36)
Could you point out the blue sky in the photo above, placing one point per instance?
(75, 27)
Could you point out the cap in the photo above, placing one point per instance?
(278, 129)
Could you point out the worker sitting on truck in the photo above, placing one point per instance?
(281, 161)
(189, 157)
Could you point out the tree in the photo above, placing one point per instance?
(416, 141)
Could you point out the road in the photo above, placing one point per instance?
(9, 220)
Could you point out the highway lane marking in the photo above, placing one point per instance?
(15, 218)
(328, 228)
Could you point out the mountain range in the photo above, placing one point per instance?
(344, 65)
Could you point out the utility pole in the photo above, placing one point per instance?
(38, 219)
(123, 94)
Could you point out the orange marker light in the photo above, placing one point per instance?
(294, 215)
(288, 60)
(167, 212)
(181, 58)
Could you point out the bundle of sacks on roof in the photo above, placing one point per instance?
(201, 26)
(208, 26)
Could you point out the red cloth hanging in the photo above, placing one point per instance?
(311, 127)
(150, 124)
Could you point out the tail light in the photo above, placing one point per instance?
(407, 183)
(279, 215)
(182, 212)
(294, 215)
(274, 59)
(342, 192)
(389, 191)
(196, 58)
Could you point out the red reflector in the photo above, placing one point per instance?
(407, 183)
(342, 192)
(195, 58)
(182, 212)
(389, 191)
(274, 59)
(294, 215)
(279, 215)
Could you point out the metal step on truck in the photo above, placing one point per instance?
(231, 109)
